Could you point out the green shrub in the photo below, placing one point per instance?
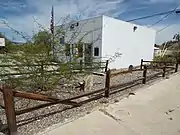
(164, 58)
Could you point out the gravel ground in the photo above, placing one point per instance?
(37, 121)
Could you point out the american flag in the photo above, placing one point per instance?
(52, 21)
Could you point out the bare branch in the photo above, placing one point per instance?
(40, 25)
(22, 34)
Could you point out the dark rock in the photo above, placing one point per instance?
(116, 100)
(130, 68)
(170, 110)
(131, 93)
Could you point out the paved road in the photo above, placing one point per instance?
(154, 110)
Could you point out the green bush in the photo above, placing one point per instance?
(176, 55)
(164, 58)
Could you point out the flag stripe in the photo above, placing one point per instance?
(52, 21)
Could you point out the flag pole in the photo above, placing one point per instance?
(52, 28)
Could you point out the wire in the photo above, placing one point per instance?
(149, 16)
(167, 26)
(164, 17)
(164, 28)
(160, 20)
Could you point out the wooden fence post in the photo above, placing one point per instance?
(10, 110)
(144, 74)
(176, 69)
(106, 68)
(164, 70)
(141, 64)
(107, 83)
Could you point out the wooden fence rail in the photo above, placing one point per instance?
(9, 94)
(49, 64)
(165, 63)
(77, 67)
(124, 72)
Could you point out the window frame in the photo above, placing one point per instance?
(96, 51)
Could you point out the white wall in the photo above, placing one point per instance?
(157, 52)
(88, 31)
(2, 42)
(112, 35)
(119, 35)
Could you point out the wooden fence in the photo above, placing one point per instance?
(165, 63)
(9, 94)
(77, 67)
(144, 68)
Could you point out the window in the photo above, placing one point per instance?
(77, 24)
(134, 28)
(96, 51)
(72, 27)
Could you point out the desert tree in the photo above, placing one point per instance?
(176, 49)
(38, 66)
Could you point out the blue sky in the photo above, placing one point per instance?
(20, 14)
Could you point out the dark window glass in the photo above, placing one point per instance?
(72, 27)
(96, 51)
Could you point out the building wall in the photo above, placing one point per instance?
(2, 42)
(111, 36)
(157, 52)
(119, 36)
(87, 31)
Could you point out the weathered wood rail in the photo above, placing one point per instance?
(124, 72)
(78, 67)
(165, 63)
(9, 94)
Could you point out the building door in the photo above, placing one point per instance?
(88, 59)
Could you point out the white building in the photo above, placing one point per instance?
(108, 37)
(157, 51)
(2, 42)
(2, 45)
